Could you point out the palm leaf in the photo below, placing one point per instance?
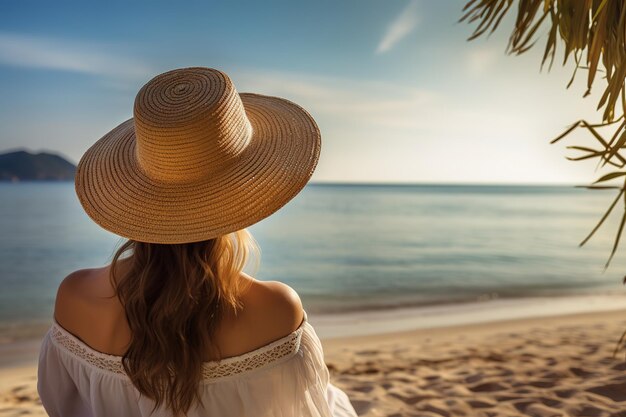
(617, 239)
(606, 214)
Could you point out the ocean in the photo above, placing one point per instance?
(347, 248)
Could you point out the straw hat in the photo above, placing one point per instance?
(198, 160)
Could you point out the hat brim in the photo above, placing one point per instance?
(273, 168)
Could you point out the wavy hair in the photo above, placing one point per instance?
(174, 296)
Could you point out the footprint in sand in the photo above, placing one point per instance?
(471, 379)
(542, 384)
(363, 388)
(541, 410)
(486, 403)
(386, 385)
(505, 398)
(582, 373)
(616, 392)
(522, 405)
(488, 387)
(620, 366)
(566, 393)
(587, 410)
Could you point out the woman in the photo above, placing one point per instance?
(173, 326)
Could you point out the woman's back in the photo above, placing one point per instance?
(81, 372)
(88, 308)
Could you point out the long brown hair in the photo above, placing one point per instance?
(174, 296)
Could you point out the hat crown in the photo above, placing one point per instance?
(189, 124)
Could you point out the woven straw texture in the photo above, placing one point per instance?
(197, 160)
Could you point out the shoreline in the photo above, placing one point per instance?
(354, 324)
(374, 322)
(476, 331)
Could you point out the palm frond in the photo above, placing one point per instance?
(595, 27)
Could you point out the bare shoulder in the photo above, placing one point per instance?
(274, 306)
(77, 296)
(284, 302)
(70, 293)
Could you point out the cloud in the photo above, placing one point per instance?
(401, 27)
(356, 102)
(65, 55)
(481, 59)
(387, 131)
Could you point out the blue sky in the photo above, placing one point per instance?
(398, 92)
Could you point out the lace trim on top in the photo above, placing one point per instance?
(271, 353)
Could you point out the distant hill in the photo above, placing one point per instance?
(25, 166)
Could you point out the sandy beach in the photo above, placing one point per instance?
(540, 366)
(544, 367)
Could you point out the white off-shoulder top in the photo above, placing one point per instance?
(285, 378)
